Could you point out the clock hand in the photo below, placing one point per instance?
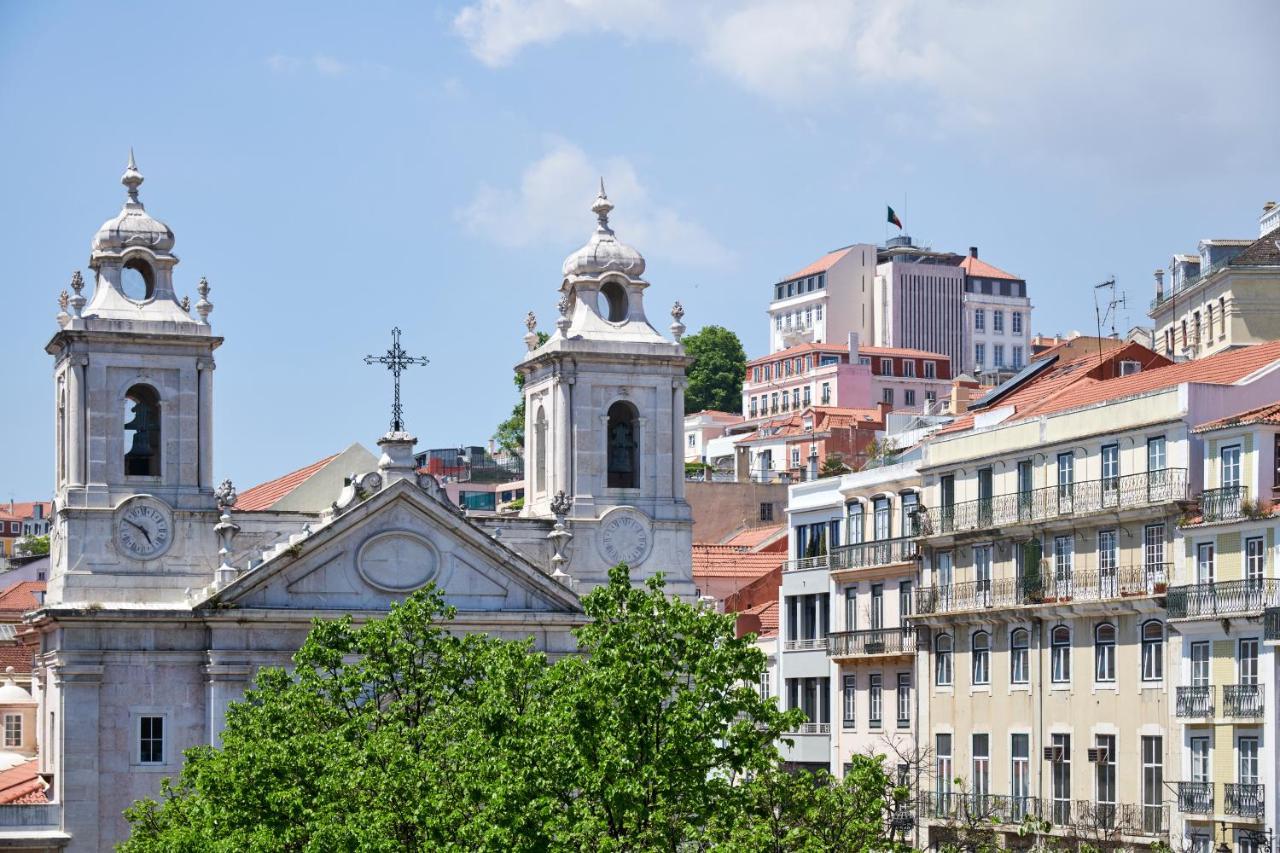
(140, 528)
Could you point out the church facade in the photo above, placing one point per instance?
(164, 600)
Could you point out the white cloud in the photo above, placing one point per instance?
(325, 66)
(497, 30)
(551, 205)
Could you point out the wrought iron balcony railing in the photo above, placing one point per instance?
(1195, 797)
(1101, 818)
(1220, 598)
(877, 641)
(813, 729)
(805, 644)
(1271, 623)
(801, 564)
(1242, 700)
(1080, 585)
(1109, 494)
(1223, 504)
(1195, 702)
(1244, 800)
(882, 552)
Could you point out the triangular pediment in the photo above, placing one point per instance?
(381, 550)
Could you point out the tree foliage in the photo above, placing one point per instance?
(510, 432)
(399, 735)
(32, 546)
(717, 372)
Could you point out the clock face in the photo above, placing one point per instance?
(144, 529)
(624, 538)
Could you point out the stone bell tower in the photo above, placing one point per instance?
(604, 419)
(133, 380)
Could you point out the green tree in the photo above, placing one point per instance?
(510, 432)
(718, 369)
(833, 466)
(32, 546)
(397, 735)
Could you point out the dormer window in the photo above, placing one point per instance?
(142, 432)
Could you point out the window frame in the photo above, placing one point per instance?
(1019, 656)
(980, 668)
(1104, 654)
(944, 661)
(1060, 654)
(1152, 652)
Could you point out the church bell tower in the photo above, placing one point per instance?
(133, 380)
(604, 419)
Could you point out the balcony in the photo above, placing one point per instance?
(1102, 818)
(878, 641)
(1223, 598)
(1195, 702)
(1078, 586)
(805, 645)
(1244, 800)
(804, 564)
(866, 555)
(984, 808)
(1195, 797)
(1111, 494)
(1271, 623)
(1225, 504)
(1242, 700)
(813, 729)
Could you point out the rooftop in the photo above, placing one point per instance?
(729, 561)
(20, 598)
(263, 495)
(822, 264)
(981, 269)
(1268, 414)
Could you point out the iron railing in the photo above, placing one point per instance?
(1109, 494)
(1187, 283)
(805, 645)
(1088, 815)
(1244, 800)
(1223, 597)
(801, 564)
(1242, 700)
(1195, 797)
(882, 552)
(813, 729)
(1271, 623)
(877, 641)
(1195, 702)
(1223, 504)
(1077, 585)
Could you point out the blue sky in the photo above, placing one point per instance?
(338, 169)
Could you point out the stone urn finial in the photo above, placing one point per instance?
(677, 327)
(531, 336)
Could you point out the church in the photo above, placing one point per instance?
(164, 599)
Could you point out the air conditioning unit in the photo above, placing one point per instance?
(1099, 755)
(1054, 753)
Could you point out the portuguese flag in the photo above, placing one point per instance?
(893, 218)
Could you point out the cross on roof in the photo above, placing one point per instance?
(396, 360)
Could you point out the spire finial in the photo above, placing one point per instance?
(601, 208)
(77, 301)
(132, 178)
(204, 306)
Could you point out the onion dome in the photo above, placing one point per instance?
(133, 226)
(603, 252)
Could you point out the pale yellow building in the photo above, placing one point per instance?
(1049, 541)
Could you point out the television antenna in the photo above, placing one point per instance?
(1108, 314)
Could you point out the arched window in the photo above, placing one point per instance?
(142, 432)
(1019, 668)
(1060, 648)
(137, 281)
(1104, 652)
(612, 302)
(540, 451)
(942, 656)
(1152, 650)
(981, 648)
(623, 458)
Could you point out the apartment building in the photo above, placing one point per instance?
(1221, 297)
(825, 301)
(845, 653)
(700, 428)
(794, 447)
(1049, 541)
(1225, 578)
(997, 318)
(850, 376)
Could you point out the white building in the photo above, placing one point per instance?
(164, 600)
(825, 301)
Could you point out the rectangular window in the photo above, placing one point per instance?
(1110, 471)
(1204, 563)
(851, 608)
(997, 322)
(997, 355)
(1153, 784)
(904, 603)
(904, 700)
(1200, 664)
(1254, 560)
(1153, 547)
(1017, 354)
(943, 774)
(1105, 779)
(1248, 769)
(910, 522)
(1230, 466)
(151, 740)
(764, 684)
(1060, 746)
(850, 700)
(1108, 557)
(909, 367)
(979, 355)
(981, 780)
(1016, 318)
(13, 730)
(1247, 662)
(1020, 772)
(875, 696)
(930, 370)
(1155, 454)
(982, 572)
(1200, 766)
(854, 512)
(1063, 566)
(882, 527)
(766, 512)
(886, 367)
(979, 319)
(877, 606)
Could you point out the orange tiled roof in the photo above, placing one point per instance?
(263, 495)
(18, 599)
(822, 264)
(903, 352)
(768, 614)
(753, 537)
(727, 561)
(981, 269)
(843, 350)
(27, 509)
(22, 784)
(716, 412)
(1268, 414)
(16, 654)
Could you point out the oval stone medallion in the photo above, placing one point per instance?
(398, 561)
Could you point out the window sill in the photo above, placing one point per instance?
(1060, 685)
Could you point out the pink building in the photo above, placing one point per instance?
(847, 376)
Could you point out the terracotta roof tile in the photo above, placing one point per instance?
(822, 264)
(264, 495)
(16, 655)
(981, 269)
(754, 537)
(20, 598)
(727, 561)
(1268, 414)
(27, 509)
(22, 784)
(903, 352)
(768, 615)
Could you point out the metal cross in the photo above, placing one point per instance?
(396, 360)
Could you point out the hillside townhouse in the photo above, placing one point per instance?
(1225, 578)
(1049, 538)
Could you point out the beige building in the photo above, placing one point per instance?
(1223, 296)
(1048, 542)
(1225, 578)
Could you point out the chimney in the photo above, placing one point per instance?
(973, 251)
(853, 347)
(1159, 284)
